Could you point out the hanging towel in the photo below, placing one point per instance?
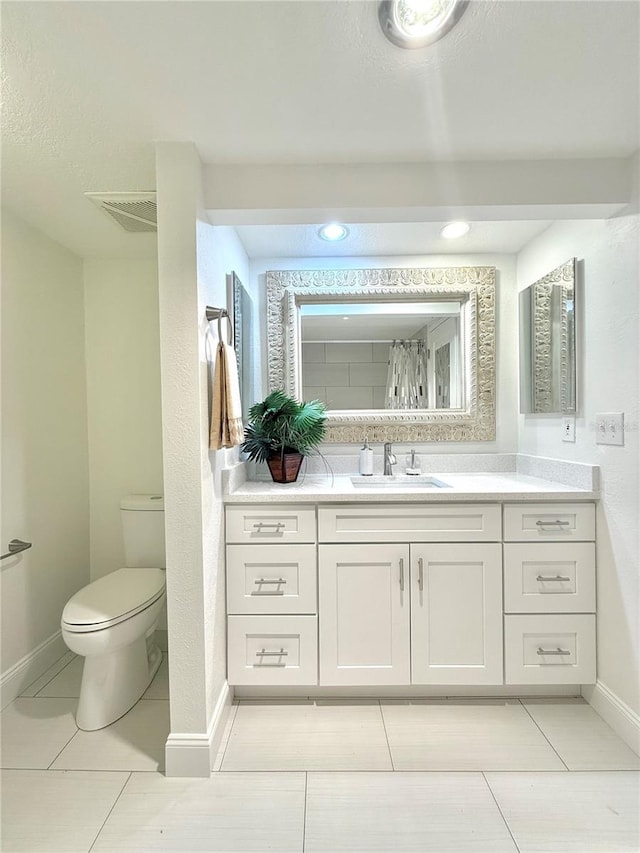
(226, 408)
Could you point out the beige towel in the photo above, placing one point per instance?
(226, 408)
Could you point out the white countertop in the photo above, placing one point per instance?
(460, 487)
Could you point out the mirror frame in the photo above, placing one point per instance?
(540, 384)
(473, 286)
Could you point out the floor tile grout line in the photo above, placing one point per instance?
(50, 767)
(535, 722)
(236, 706)
(506, 822)
(304, 822)
(344, 770)
(384, 727)
(55, 675)
(115, 803)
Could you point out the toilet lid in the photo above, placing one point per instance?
(113, 598)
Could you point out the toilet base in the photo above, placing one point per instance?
(112, 683)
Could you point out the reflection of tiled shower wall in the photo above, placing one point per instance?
(345, 375)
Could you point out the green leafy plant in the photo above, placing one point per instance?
(279, 425)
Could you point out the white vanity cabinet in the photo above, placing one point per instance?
(413, 593)
(549, 593)
(272, 623)
(422, 610)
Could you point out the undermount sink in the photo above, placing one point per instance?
(399, 481)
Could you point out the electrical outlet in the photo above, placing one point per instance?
(568, 428)
(610, 428)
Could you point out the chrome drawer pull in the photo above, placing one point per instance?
(557, 578)
(265, 654)
(260, 581)
(556, 523)
(401, 574)
(420, 573)
(557, 651)
(258, 525)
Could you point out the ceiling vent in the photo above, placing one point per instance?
(135, 212)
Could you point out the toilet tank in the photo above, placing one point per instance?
(143, 530)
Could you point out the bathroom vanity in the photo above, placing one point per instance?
(489, 580)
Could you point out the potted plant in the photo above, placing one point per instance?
(281, 432)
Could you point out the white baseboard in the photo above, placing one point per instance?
(408, 691)
(193, 754)
(31, 666)
(219, 718)
(622, 719)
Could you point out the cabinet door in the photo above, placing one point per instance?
(456, 614)
(364, 614)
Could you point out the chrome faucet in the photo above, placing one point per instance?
(389, 459)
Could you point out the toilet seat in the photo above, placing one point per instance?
(113, 599)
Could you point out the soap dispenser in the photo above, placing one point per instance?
(413, 464)
(366, 460)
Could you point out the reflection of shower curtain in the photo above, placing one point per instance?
(407, 376)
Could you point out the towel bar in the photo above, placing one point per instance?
(15, 547)
(218, 314)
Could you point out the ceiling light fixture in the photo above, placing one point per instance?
(417, 23)
(333, 232)
(452, 230)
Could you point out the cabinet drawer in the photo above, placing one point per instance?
(550, 577)
(272, 650)
(271, 524)
(555, 649)
(549, 522)
(410, 523)
(278, 579)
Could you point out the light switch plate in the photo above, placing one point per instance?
(568, 428)
(610, 428)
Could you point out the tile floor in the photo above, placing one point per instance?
(327, 775)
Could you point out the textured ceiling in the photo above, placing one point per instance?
(89, 86)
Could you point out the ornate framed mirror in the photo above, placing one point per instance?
(548, 343)
(239, 310)
(395, 354)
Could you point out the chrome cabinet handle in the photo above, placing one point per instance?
(401, 573)
(264, 654)
(420, 573)
(557, 651)
(258, 525)
(556, 523)
(260, 581)
(557, 578)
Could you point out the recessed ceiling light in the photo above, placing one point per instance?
(332, 232)
(455, 229)
(417, 23)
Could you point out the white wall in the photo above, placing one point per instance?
(193, 259)
(607, 304)
(44, 437)
(122, 339)
(219, 252)
(506, 331)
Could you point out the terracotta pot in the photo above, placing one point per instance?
(285, 470)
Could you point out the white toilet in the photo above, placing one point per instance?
(111, 622)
